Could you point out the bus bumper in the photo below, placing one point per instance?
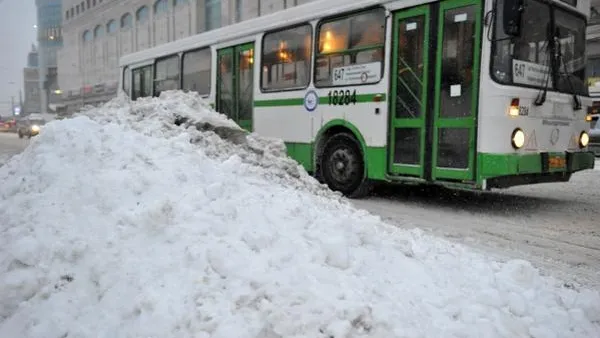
(506, 170)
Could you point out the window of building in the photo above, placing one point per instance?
(98, 31)
(82, 6)
(72, 12)
(67, 15)
(213, 14)
(94, 3)
(111, 26)
(87, 35)
(353, 40)
(126, 20)
(161, 6)
(593, 67)
(196, 71)
(166, 74)
(89, 3)
(142, 14)
(286, 58)
(77, 9)
(238, 10)
(179, 2)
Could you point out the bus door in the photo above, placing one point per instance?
(434, 86)
(235, 83)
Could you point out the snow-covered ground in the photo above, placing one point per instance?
(114, 224)
(556, 226)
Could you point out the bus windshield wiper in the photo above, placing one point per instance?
(541, 98)
(561, 61)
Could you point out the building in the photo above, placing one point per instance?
(31, 84)
(98, 32)
(593, 47)
(50, 40)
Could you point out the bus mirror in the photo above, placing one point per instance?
(511, 17)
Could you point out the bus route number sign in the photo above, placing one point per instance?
(341, 97)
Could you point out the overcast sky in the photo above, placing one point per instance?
(17, 18)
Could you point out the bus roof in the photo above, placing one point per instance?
(294, 15)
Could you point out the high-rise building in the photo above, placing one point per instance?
(50, 40)
(31, 84)
(98, 32)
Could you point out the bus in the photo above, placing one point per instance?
(466, 94)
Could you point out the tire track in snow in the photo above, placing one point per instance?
(555, 226)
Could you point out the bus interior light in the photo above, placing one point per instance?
(513, 110)
(584, 139)
(518, 138)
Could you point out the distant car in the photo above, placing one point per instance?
(8, 126)
(30, 128)
(594, 144)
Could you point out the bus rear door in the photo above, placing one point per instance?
(235, 83)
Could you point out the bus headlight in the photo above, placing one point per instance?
(513, 109)
(35, 128)
(584, 139)
(518, 138)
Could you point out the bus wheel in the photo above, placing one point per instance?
(343, 167)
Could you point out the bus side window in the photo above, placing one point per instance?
(137, 84)
(196, 71)
(286, 58)
(357, 39)
(127, 80)
(166, 75)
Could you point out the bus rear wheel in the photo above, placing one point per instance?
(343, 167)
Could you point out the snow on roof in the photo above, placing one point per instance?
(119, 222)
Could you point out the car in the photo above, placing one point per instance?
(30, 127)
(594, 144)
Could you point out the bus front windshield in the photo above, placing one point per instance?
(530, 59)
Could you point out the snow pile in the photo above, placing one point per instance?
(176, 112)
(119, 226)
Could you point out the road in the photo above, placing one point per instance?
(11, 144)
(555, 226)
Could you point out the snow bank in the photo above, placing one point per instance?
(114, 224)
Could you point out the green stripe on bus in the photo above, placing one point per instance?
(279, 102)
(361, 98)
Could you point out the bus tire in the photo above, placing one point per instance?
(342, 166)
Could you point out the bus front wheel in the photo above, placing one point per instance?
(343, 166)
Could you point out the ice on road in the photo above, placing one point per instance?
(121, 223)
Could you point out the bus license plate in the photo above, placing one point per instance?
(557, 162)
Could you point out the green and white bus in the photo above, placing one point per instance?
(470, 94)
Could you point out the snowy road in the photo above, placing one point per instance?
(11, 144)
(555, 226)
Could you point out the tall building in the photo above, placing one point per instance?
(50, 40)
(98, 32)
(31, 84)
